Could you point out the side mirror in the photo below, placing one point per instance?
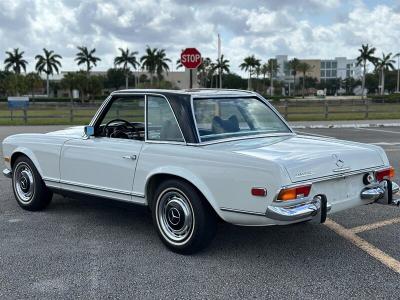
(89, 131)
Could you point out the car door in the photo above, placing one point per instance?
(104, 165)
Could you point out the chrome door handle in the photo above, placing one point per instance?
(132, 157)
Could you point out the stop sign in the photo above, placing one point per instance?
(191, 58)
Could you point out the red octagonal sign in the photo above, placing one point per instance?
(191, 58)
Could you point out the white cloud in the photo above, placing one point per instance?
(305, 28)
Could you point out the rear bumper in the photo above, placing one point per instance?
(383, 192)
(7, 173)
(317, 208)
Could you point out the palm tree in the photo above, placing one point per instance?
(149, 62)
(248, 65)
(304, 68)
(15, 61)
(384, 64)
(125, 59)
(161, 63)
(86, 57)
(222, 66)
(48, 63)
(272, 67)
(366, 55)
(294, 66)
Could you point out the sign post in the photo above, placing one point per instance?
(191, 59)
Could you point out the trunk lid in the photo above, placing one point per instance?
(307, 158)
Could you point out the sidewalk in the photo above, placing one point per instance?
(345, 124)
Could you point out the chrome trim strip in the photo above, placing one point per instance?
(333, 176)
(93, 187)
(96, 195)
(249, 137)
(51, 179)
(239, 211)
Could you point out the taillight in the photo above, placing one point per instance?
(384, 174)
(293, 193)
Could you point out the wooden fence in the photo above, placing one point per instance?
(65, 113)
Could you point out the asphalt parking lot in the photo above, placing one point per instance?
(103, 249)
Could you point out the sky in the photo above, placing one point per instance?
(298, 28)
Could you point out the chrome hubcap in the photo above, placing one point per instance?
(24, 183)
(175, 216)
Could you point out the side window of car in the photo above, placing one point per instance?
(161, 122)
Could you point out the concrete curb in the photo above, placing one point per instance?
(361, 125)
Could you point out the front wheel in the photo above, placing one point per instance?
(29, 189)
(183, 219)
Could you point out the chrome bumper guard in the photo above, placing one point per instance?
(315, 209)
(382, 193)
(7, 173)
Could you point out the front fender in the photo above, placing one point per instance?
(27, 152)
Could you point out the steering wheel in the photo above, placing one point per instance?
(118, 133)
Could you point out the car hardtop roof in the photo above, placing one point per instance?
(190, 92)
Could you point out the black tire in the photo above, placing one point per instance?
(29, 189)
(178, 206)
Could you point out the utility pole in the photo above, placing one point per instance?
(219, 59)
(398, 71)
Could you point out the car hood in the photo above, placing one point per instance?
(73, 132)
(308, 157)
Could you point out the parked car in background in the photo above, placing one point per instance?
(195, 157)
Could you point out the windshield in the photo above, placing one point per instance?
(220, 118)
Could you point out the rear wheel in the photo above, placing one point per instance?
(29, 189)
(183, 219)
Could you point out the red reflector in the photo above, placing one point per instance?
(261, 192)
(384, 174)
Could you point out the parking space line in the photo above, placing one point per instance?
(387, 131)
(376, 225)
(362, 244)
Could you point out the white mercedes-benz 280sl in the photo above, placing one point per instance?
(195, 157)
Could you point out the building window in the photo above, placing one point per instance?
(322, 73)
(348, 66)
(328, 64)
(334, 65)
(334, 73)
(347, 73)
(328, 73)
(322, 65)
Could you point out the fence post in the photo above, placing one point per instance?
(326, 110)
(25, 117)
(366, 109)
(71, 115)
(286, 109)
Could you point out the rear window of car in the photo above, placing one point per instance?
(220, 118)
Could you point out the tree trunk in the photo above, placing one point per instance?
(126, 81)
(47, 85)
(249, 82)
(383, 82)
(363, 81)
(272, 85)
(294, 85)
(304, 80)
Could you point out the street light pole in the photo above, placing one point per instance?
(398, 72)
